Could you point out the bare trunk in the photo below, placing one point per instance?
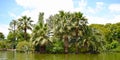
(42, 49)
(77, 49)
(25, 34)
(14, 38)
(66, 44)
(76, 43)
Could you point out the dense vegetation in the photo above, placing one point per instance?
(64, 32)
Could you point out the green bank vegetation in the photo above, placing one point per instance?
(64, 32)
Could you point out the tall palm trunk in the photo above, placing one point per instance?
(42, 49)
(76, 43)
(66, 44)
(25, 34)
(14, 38)
(77, 49)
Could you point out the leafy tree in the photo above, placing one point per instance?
(78, 27)
(25, 23)
(97, 36)
(2, 36)
(10, 37)
(39, 35)
(13, 32)
(64, 32)
(67, 25)
(3, 44)
(60, 28)
(97, 41)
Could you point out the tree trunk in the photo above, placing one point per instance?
(42, 49)
(66, 44)
(14, 38)
(25, 34)
(76, 43)
(77, 49)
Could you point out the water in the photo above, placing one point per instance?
(35, 56)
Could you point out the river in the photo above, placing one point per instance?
(7, 55)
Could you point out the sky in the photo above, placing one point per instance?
(96, 11)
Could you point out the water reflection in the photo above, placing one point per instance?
(3, 56)
(33, 56)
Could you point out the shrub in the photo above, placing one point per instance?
(112, 45)
(116, 49)
(55, 47)
(24, 46)
(3, 44)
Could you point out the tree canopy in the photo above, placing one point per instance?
(64, 32)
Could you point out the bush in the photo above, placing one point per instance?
(3, 44)
(72, 48)
(24, 46)
(116, 49)
(112, 45)
(55, 47)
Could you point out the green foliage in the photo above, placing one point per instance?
(117, 49)
(2, 36)
(24, 46)
(72, 48)
(24, 24)
(110, 33)
(112, 45)
(68, 25)
(39, 36)
(63, 32)
(56, 47)
(3, 44)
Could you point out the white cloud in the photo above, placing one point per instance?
(103, 20)
(45, 4)
(4, 29)
(114, 7)
(97, 20)
(99, 7)
(116, 19)
(33, 7)
(48, 7)
(99, 3)
(33, 14)
(12, 15)
(82, 5)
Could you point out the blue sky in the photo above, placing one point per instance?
(6, 7)
(97, 11)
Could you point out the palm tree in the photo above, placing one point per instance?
(40, 34)
(68, 25)
(78, 24)
(13, 28)
(13, 25)
(25, 23)
(62, 28)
